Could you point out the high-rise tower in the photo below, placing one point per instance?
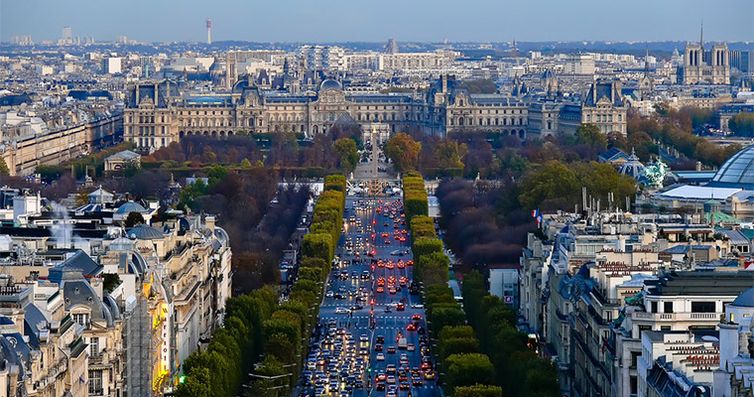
(209, 31)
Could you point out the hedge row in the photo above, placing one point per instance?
(467, 371)
(221, 368)
(520, 371)
(414, 196)
(293, 321)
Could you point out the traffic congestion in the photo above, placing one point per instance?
(371, 338)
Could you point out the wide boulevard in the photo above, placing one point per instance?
(372, 337)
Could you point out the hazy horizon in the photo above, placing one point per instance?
(353, 21)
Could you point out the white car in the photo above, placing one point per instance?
(341, 310)
(417, 306)
(380, 357)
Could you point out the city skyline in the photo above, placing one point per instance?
(340, 21)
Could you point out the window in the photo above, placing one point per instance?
(95, 382)
(634, 385)
(668, 307)
(702, 307)
(94, 346)
(653, 306)
(81, 318)
(635, 358)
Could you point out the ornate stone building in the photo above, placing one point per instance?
(706, 67)
(157, 114)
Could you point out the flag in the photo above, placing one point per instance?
(537, 216)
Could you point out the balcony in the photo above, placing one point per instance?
(671, 317)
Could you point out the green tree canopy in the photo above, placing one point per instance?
(590, 134)
(348, 154)
(742, 124)
(468, 369)
(403, 151)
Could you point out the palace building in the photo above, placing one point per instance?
(158, 113)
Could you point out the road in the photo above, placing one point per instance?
(344, 355)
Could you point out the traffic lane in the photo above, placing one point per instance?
(398, 321)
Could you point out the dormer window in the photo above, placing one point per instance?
(82, 319)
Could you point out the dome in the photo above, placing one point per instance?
(632, 167)
(144, 232)
(737, 172)
(330, 84)
(746, 299)
(130, 207)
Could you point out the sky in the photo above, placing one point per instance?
(378, 20)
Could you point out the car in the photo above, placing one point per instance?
(417, 382)
(380, 386)
(391, 379)
(400, 307)
(405, 385)
(330, 294)
(391, 349)
(380, 339)
(380, 357)
(411, 347)
(411, 327)
(429, 375)
(341, 310)
(416, 317)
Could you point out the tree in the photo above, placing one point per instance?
(425, 245)
(133, 219)
(451, 346)
(280, 347)
(348, 154)
(590, 135)
(432, 268)
(551, 181)
(4, 170)
(446, 314)
(602, 178)
(742, 124)
(449, 154)
(403, 151)
(468, 369)
(196, 383)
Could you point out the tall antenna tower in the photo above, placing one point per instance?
(209, 31)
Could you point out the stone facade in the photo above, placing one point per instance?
(706, 67)
(158, 114)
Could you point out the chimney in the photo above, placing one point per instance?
(209, 222)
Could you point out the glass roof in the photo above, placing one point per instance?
(738, 171)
